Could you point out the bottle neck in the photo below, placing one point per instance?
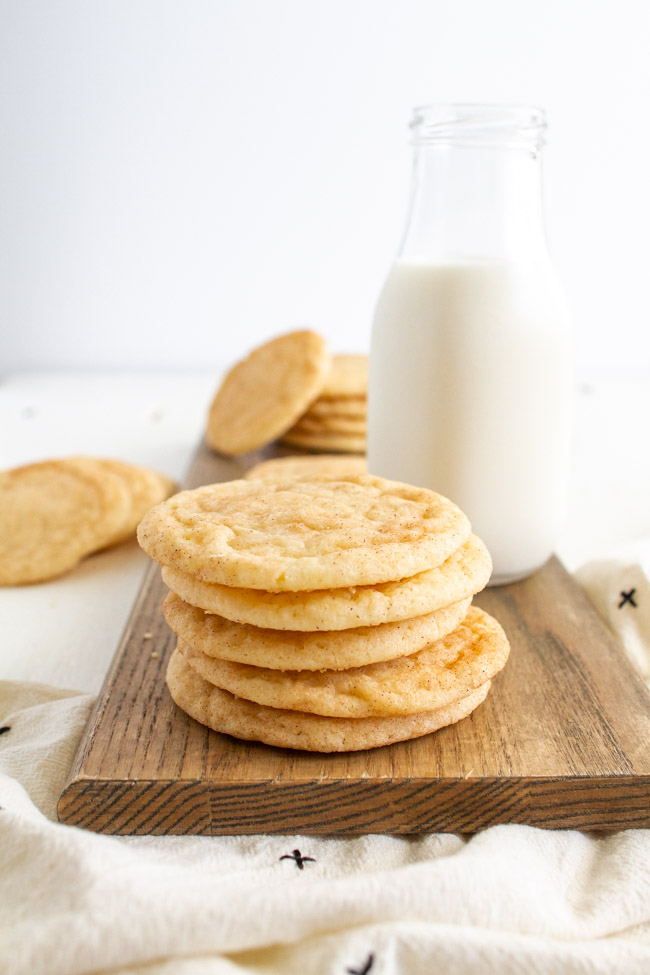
(474, 203)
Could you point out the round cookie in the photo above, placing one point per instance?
(343, 406)
(233, 716)
(54, 513)
(263, 395)
(464, 573)
(344, 425)
(439, 674)
(146, 488)
(342, 442)
(281, 468)
(348, 376)
(303, 534)
(241, 643)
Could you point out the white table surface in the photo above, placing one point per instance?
(65, 632)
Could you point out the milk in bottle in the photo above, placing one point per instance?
(470, 378)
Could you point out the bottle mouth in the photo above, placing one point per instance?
(480, 126)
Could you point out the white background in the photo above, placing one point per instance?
(181, 180)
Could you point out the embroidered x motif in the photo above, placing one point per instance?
(299, 859)
(628, 597)
(362, 971)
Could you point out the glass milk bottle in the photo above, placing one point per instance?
(470, 382)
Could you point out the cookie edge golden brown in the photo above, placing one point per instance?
(226, 714)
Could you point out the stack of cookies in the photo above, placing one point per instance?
(307, 465)
(323, 613)
(56, 512)
(337, 419)
(291, 388)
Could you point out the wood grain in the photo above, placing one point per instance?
(561, 741)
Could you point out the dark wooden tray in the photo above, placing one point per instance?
(561, 741)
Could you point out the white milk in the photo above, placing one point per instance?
(469, 394)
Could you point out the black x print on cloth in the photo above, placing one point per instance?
(362, 971)
(299, 859)
(627, 597)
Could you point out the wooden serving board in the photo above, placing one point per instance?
(563, 739)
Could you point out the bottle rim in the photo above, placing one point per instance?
(479, 125)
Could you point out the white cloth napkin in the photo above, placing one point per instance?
(619, 588)
(511, 899)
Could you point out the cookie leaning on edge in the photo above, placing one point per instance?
(54, 513)
(146, 488)
(265, 394)
(230, 715)
(303, 534)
